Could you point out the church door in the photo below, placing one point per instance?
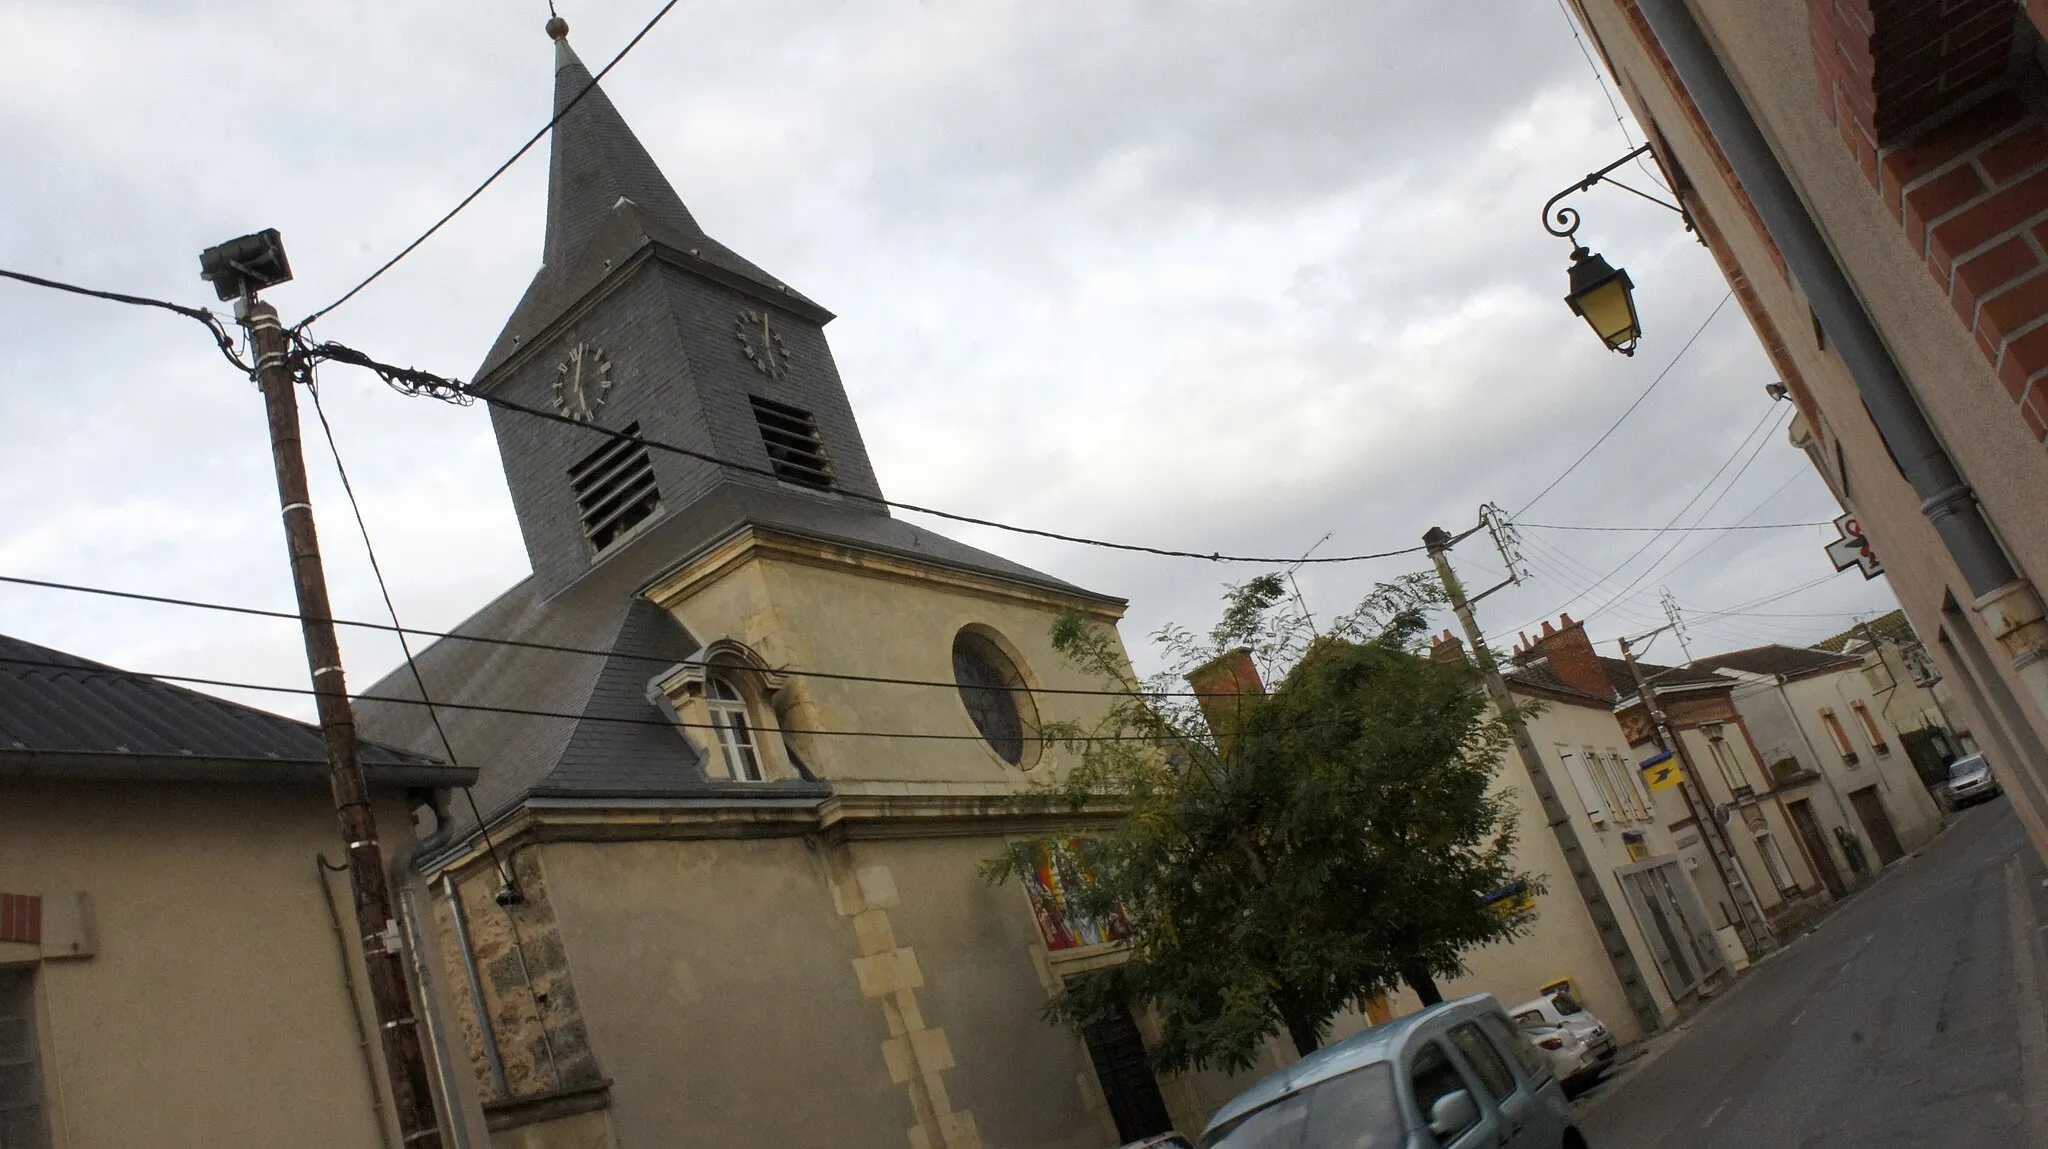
(1127, 1082)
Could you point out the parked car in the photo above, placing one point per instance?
(1970, 781)
(1456, 1076)
(1579, 1045)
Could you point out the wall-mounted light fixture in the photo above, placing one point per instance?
(1601, 293)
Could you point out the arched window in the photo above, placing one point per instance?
(735, 733)
(992, 690)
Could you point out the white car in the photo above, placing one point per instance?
(1578, 1044)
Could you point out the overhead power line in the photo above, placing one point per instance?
(209, 319)
(554, 648)
(1631, 407)
(1678, 530)
(493, 177)
(519, 711)
(413, 381)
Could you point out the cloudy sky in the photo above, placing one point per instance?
(1225, 275)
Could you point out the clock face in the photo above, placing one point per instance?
(582, 381)
(762, 344)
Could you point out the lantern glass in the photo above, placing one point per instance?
(1605, 298)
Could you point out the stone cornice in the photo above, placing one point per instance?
(859, 811)
(752, 542)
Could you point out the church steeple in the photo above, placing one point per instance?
(638, 319)
(595, 160)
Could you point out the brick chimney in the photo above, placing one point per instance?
(1230, 689)
(1446, 647)
(1571, 656)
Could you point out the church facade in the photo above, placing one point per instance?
(746, 742)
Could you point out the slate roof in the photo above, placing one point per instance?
(645, 756)
(1774, 659)
(62, 716)
(1891, 627)
(1538, 674)
(1663, 678)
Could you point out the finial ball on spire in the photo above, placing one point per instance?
(558, 28)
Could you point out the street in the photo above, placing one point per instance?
(1895, 1022)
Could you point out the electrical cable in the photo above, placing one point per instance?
(1652, 540)
(519, 711)
(1769, 417)
(1631, 407)
(555, 648)
(1678, 530)
(414, 382)
(411, 381)
(212, 321)
(493, 177)
(1600, 78)
(505, 874)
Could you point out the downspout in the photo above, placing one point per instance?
(2009, 604)
(430, 1015)
(355, 1006)
(476, 988)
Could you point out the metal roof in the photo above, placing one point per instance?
(62, 716)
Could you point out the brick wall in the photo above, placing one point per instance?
(1968, 187)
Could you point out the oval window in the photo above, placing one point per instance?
(994, 693)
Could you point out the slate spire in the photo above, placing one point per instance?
(595, 160)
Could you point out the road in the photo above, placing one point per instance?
(1911, 1016)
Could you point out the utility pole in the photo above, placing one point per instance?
(1612, 940)
(238, 269)
(1677, 621)
(1749, 919)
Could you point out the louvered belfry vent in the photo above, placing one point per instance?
(615, 489)
(795, 450)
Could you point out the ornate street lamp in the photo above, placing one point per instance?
(1604, 297)
(1601, 293)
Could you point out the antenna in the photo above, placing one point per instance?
(1299, 601)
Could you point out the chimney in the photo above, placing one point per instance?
(1230, 689)
(1571, 657)
(1446, 647)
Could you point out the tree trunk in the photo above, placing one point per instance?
(1416, 974)
(1306, 1039)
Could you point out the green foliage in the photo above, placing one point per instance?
(1341, 838)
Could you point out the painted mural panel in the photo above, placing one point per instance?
(1059, 872)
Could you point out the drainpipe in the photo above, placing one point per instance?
(430, 1014)
(2009, 604)
(476, 988)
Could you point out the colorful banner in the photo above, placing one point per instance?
(1063, 925)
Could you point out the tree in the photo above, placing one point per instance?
(1281, 857)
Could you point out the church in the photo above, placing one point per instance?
(745, 740)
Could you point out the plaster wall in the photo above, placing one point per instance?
(809, 605)
(1913, 811)
(1563, 942)
(213, 1012)
(717, 985)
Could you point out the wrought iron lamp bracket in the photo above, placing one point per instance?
(1563, 222)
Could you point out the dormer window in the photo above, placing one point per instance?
(735, 733)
